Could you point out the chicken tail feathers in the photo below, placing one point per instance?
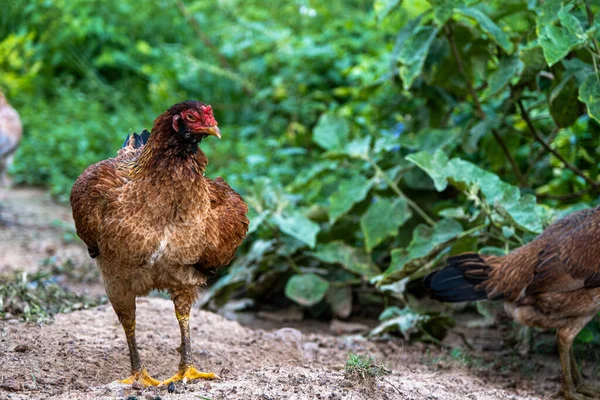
(136, 141)
(462, 279)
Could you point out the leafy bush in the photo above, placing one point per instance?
(371, 140)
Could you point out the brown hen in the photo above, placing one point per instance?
(10, 136)
(153, 221)
(552, 282)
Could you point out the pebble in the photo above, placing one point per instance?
(171, 387)
(287, 335)
(310, 350)
(11, 385)
(21, 348)
(340, 328)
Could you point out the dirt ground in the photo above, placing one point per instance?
(81, 354)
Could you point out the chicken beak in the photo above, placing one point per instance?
(213, 131)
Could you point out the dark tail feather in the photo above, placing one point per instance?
(460, 280)
(126, 142)
(144, 135)
(135, 140)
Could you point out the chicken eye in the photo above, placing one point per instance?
(190, 117)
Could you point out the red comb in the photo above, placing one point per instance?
(209, 118)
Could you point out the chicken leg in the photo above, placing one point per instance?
(124, 307)
(573, 385)
(183, 301)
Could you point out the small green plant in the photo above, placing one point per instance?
(461, 356)
(363, 367)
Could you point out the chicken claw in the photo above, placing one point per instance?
(189, 374)
(141, 377)
(589, 389)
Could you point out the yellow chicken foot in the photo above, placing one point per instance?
(189, 374)
(124, 306)
(140, 377)
(183, 300)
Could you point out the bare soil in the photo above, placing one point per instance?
(81, 355)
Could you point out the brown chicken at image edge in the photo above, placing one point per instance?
(153, 221)
(552, 282)
(11, 131)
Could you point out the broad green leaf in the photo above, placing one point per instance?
(556, 91)
(578, 67)
(548, 12)
(340, 301)
(416, 179)
(571, 22)
(492, 187)
(477, 131)
(430, 139)
(299, 227)
(359, 148)
(563, 101)
(288, 245)
(400, 258)
(509, 68)
(331, 132)
(589, 93)
(454, 212)
(257, 221)
(350, 192)
(425, 241)
(307, 175)
(532, 57)
(414, 52)
(488, 26)
(508, 231)
(498, 193)
(306, 290)
(557, 42)
(382, 219)
(434, 165)
(384, 7)
(443, 9)
(351, 258)
(426, 238)
(465, 175)
(523, 213)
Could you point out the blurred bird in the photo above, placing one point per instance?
(153, 221)
(11, 130)
(552, 282)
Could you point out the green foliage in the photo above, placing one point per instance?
(36, 298)
(306, 290)
(352, 259)
(370, 139)
(382, 219)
